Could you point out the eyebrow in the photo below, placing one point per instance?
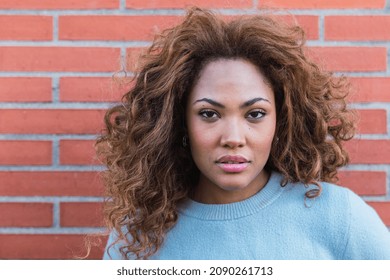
(245, 104)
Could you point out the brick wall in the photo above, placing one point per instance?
(56, 62)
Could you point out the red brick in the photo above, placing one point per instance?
(59, 59)
(91, 89)
(357, 28)
(78, 152)
(370, 89)
(324, 4)
(58, 4)
(45, 183)
(133, 57)
(81, 214)
(364, 182)
(21, 89)
(113, 27)
(143, 27)
(167, 4)
(51, 121)
(369, 151)
(309, 24)
(25, 152)
(350, 58)
(47, 246)
(372, 122)
(15, 214)
(383, 210)
(26, 28)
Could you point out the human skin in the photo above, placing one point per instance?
(231, 120)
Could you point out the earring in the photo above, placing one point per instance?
(185, 141)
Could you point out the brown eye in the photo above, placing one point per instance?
(256, 115)
(208, 114)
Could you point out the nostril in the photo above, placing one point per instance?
(233, 144)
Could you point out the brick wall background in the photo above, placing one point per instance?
(56, 62)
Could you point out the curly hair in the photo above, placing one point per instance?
(149, 171)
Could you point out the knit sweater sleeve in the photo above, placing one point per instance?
(367, 237)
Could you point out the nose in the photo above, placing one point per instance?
(233, 135)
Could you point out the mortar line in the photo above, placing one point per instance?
(62, 230)
(55, 89)
(52, 199)
(55, 151)
(122, 5)
(321, 29)
(55, 28)
(181, 11)
(47, 168)
(56, 214)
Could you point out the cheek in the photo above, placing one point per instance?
(200, 139)
(270, 137)
(199, 133)
(263, 139)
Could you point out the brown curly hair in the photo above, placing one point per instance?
(148, 170)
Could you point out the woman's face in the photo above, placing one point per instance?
(231, 119)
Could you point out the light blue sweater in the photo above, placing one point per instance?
(276, 224)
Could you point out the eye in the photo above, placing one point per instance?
(256, 115)
(208, 114)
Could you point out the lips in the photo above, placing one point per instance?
(232, 164)
(232, 160)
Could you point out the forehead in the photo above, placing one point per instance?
(231, 79)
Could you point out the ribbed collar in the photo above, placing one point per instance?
(269, 193)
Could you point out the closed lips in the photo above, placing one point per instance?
(232, 160)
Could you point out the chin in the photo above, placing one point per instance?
(231, 186)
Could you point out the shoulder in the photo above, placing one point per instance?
(366, 236)
(330, 211)
(356, 209)
(332, 196)
(326, 216)
(341, 205)
(346, 219)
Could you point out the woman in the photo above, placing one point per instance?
(227, 147)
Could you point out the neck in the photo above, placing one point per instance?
(208, 193)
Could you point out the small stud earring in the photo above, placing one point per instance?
(185, 141)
